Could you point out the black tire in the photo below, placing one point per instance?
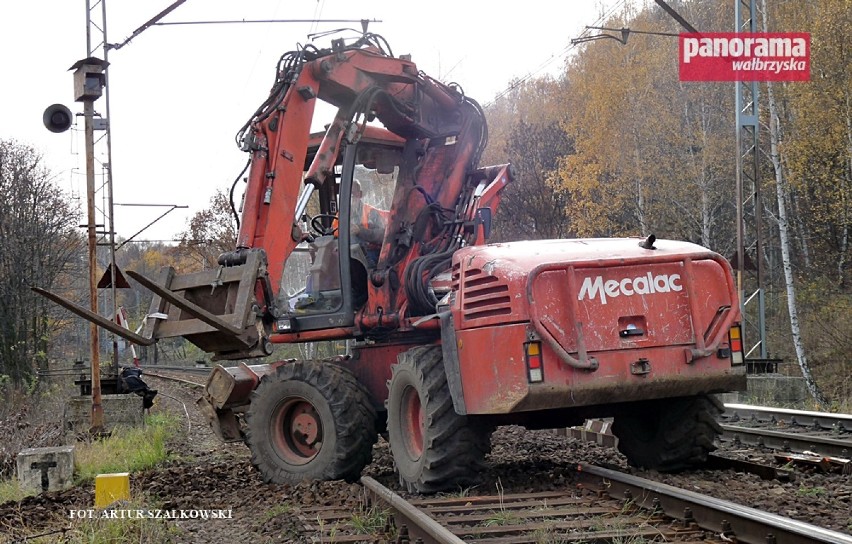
(434, 449)
(311, 420)
(669, 434)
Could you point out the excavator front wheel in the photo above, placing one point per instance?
(310, 420)
(434, 448)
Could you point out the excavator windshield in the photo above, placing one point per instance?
(312, 274)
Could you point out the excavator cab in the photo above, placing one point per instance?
(322, 285)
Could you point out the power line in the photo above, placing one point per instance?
(263, 21)
(317, 14)
(625, 33)
(553, 57)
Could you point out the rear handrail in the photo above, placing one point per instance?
(584, 361)
(704, 349)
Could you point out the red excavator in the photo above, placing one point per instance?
(374, 234)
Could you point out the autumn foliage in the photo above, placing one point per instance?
(616, 145)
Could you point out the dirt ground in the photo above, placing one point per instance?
(215, 476)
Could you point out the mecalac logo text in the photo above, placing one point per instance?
(640, 285)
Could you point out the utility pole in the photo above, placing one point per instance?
(88, 87)
(96, 38)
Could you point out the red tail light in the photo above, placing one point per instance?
(735, 337)
(535, 372)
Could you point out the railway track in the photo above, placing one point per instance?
(819, 433)
(834, 423)
(815, 434)
(818, 439)
(602, 506)
(192, 370)
(786, 441)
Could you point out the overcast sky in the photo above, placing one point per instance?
(179, 93)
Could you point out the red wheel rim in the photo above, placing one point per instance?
(412, 422)
(296, 430)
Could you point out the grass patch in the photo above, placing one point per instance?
(332, 531)
(460, 493)
(10, 491)
(373, 521)
(501, 519)
(276, 511)
(126, 450)
(549, 536)
(503, 516)
(805, 491)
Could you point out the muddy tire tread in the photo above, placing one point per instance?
(681, 435)
(353, 422)
(454, 449)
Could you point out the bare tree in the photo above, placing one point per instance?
(211, 232)
(534, 207)
(37, 243)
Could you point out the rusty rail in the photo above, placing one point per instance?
(800, 418)
(574, 514)
(745, 524)
(417, 523)
(603, 505)
(791, 442)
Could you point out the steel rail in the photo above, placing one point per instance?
(825, 420)
(174, 379)
(418, 523)
(796, 442)
(145, 369)
(187, 369)
(747, 525)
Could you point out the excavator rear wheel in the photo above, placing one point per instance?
(310, 420)
(669, 434)
(434, 449)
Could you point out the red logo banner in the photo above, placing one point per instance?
(732, 56)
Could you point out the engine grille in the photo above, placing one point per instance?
(483, 295)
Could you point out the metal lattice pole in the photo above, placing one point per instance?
(750, 261)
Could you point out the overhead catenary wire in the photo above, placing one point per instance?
(262, 21)
(604, 16)
(317, 14)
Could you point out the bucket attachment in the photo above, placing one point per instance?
(217, 310)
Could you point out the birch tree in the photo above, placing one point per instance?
(781, 193)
